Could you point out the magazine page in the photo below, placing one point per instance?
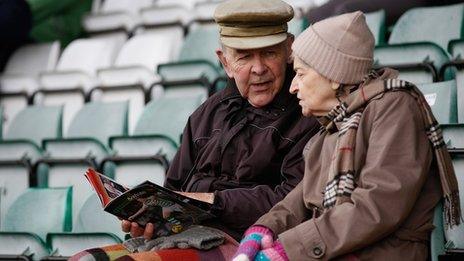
(170, 212)
(106, 188)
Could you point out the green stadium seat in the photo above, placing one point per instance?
(441, 97)
(85, 144)
(417, 63)
(156, 136)
(34, 214)
(456, 49)
(296, 26)
(197, 58)
(21, 148)
(376, 23)
(94, 227)
(438, 24)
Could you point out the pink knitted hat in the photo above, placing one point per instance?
(340, 48)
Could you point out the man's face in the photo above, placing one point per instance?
(258, 73)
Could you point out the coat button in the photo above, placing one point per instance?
(317, 251)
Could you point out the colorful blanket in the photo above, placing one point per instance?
(120, 253)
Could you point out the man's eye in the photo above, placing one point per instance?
(270, 54)
(243, 57)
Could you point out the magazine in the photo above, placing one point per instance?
(147, 202)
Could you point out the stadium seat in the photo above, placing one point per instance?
(94, 227)
(376, 23)
(145, 155)
(197, 59)
(296, 26)
(438, 24)
(86, 144)
(204, 10)
(441, 97)
(456, 49)
(20, 149)
(34, 214)
(115, 15)
(417, 63)
(133, 72)
(75, 75)
(418, 42)
(20, 77)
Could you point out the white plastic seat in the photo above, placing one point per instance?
(134, 69)
(86, 144)
(20, 77)
(116, 14)
(75, 75)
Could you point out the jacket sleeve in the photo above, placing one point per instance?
(252, 203)
(396, 165)
(183, 161)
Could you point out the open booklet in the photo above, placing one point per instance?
(147, 202)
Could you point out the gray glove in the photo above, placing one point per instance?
(199, 237)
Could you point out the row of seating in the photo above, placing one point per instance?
(53, 235)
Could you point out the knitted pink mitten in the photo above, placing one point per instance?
(274, 253)
(255, 239)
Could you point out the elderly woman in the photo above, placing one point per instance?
(377, 168)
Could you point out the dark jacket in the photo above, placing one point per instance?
(249, 157)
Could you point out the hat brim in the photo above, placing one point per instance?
(255, 42)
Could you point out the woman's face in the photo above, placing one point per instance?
(313, 90)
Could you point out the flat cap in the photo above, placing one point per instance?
(251, 24)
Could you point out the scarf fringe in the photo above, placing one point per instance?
(452, 210)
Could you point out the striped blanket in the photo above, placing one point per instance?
(120, 253)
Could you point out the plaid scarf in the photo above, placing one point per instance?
(342, 175)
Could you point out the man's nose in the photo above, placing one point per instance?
(259, 67)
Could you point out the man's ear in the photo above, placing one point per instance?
(225, 64)
(290, 39)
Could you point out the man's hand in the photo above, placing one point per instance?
(205, 197)
(136, 231)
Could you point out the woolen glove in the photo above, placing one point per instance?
(254, 239)
(199, 237)
(274, 253)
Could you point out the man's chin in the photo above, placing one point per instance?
(260, 102)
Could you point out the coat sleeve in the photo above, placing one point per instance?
(252, 203)
(396, 165)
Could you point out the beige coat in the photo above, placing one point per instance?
(391, 210)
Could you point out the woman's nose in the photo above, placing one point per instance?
(293, 87)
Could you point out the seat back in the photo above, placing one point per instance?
(457, 51)
(88, 55)
(48, 208)
(36, 123)
(376, 23)
(429, 24)
(99, 121)
(394, 55)
(128, 6)
(201, 43)
(441, 97)
(31, 59)
(166, 116)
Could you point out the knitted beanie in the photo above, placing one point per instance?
(340, 48)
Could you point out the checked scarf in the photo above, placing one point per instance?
(342, 175)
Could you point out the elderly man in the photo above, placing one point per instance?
(241, 150)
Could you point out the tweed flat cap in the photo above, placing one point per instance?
(250, 24)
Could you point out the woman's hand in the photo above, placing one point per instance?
(136, 231)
